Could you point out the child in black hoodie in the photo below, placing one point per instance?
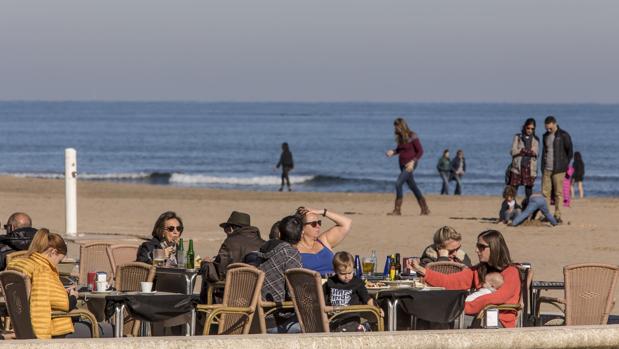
(344, 289)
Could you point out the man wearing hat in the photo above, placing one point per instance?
(242, 238)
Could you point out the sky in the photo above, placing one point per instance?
(558, 51)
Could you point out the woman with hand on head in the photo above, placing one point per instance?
(316, 247)
(166, 232)
(493, 257)
(447, 247)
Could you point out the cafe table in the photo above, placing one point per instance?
(535, 294)
(152, 306)
(178, 280)
(432, 304)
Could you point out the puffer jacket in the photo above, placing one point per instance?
(17, 240)
(47, 294)
(562, 151)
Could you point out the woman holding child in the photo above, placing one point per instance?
(493, 257)
(316, 247)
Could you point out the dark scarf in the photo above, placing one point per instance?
(528, 143)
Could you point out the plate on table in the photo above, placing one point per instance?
(399, 282)
(151, 292)
(431, 288)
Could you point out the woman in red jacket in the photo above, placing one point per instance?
(493, 257)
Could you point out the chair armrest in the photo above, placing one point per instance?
(214, 310)
(512, 307)
(94, 325)
(339, 310)
(271, 307)
(546, 299)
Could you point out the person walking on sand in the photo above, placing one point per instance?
(458, 167)
(525, 148)
(557, 155)
(409, 151)
(444, 168)
(287, 164)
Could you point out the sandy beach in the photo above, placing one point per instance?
(587, 235)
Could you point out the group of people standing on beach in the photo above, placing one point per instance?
(451, 170)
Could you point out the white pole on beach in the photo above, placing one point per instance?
(70, 186)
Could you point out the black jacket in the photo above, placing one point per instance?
(562, 151)
(285, 160)
(17, 240)
(145, 251)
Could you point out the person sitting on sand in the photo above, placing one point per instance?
(493, 282)
(446, 247)
(316, 248)
(536, 202)
(509, 208)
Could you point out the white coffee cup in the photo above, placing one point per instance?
(146, 286)
(101, 286)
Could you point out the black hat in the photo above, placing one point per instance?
(240, 219)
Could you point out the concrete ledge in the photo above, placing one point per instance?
(543, 338)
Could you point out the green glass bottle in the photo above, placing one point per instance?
(190, 255)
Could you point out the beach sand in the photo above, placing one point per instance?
(587, 235)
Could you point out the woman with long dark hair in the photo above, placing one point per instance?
(409, 150)
(493, 257)
(525, 149)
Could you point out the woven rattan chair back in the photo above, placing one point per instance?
(305, 288)
(242, 290)
(445, 267)
(16, 287)
(95, 257)
(130, 275)
(123, 254)
(589, 291)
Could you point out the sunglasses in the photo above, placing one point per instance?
(481, 247)
(171, 228)
(314, 224)
(230, 227)
(454, 250)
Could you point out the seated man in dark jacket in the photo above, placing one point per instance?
(242, 239)
(19, 234)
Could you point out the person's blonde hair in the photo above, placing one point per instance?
(446, 233)
(343, 260)
(45, 239)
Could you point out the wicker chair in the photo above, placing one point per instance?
(17, 288)
(589, 291)
(446, 267)
(305, 288)
(522, 308)
(127, 279)
(241, 294)
(122, 254)
(95, 257)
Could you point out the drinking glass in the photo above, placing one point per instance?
(158, 258)
(368, 265)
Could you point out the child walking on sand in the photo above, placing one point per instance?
(344, 289)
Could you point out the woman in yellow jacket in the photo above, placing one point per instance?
(47, 292)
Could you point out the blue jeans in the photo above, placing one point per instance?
(406, 177)
(445, 177)
(457, 178)
(536, 202)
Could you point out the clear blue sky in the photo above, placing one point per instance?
(319, 50)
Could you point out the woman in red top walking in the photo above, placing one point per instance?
(410, 151)
(493, 257)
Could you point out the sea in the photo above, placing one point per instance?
(337, 147)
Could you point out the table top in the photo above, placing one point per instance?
(183, 271)
(117, 294)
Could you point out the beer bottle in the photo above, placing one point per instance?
(398, 266)
(180, 254)
(190, 256)
(392, 268)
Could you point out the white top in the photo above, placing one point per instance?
(481, 292)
